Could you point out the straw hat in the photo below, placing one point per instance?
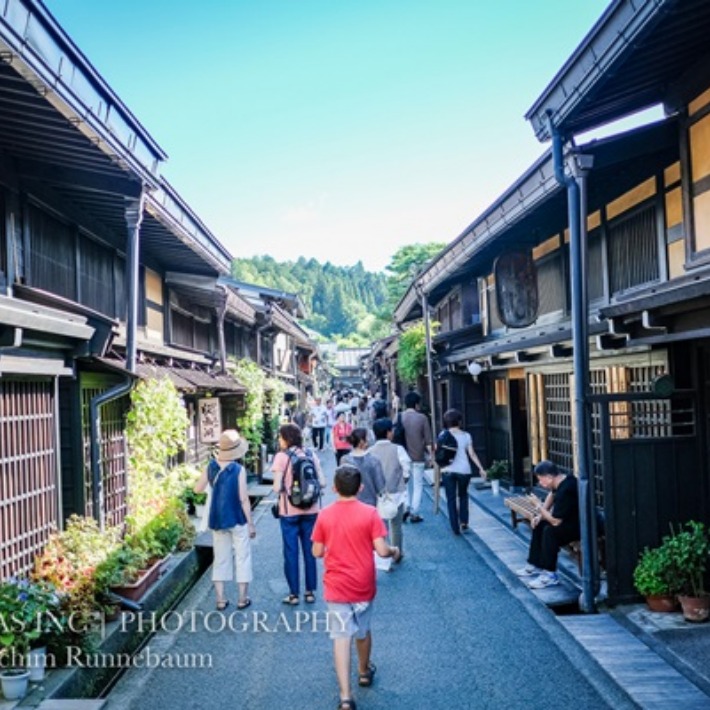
(232, 446)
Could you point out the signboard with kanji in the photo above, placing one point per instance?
(210, 420)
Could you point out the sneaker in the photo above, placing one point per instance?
(528, 571)
(546, 579)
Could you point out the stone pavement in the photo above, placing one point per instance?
(660, 660)
(448, 630)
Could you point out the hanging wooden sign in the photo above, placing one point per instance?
(210, 420)
(516, 289)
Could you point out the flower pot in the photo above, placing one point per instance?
(14, 683)
(137, 589)
(695, 609)
(495, 487)
(36, 663)
(200, 510)
(661, 602)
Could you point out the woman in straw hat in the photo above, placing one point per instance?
(229, 517)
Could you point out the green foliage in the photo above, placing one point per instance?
(275, 392)
(340, 300)
(29, 615)
(497, 470)
(406, 263)
(251, 421)
(654, 573)
(156, 431)
(689, 548)
(411, 356)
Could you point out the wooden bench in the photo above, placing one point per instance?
(523, 509)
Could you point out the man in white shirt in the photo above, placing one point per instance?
(319, 421)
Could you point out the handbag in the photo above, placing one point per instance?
(387, 506)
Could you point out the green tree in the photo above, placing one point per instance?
(406, 263)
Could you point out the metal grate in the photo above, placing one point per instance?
(28, 473)
(598, 385)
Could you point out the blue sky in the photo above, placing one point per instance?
(334, 129)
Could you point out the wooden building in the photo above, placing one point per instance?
(106, 275)
(503, 292)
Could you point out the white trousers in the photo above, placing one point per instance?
(415, 486)
(232, 550)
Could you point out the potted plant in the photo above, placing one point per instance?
(654, 579)
(689, 549)
(195, 502)
(29, 615)
(494, 473)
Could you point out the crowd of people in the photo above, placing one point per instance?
(381, 455)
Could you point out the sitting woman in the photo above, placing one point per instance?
(229, 517)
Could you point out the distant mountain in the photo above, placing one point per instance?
(344, 303)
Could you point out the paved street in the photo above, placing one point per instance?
(447, 633)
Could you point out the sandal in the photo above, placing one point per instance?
(365, 679)
(347, 704)
(244, 603)
(291, 599)
(222, 605)
(310, 598)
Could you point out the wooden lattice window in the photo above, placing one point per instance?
(633, 250)
(28, 473)
(113, 454)
(96, 277)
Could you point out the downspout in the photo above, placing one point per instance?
(430, 382)
(577, 216)
(221, 313)
(134, 215)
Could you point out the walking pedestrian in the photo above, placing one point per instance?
(319, 419)
(556, 524)
(296, 523)
(419, 440)
(457, 474)
(229, 518)
(340, 435)
(373, 478)
(395, 464)
(345, 535)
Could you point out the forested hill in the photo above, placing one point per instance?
(344, 303)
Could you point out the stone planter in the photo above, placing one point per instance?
(495, 487)
(14, 683)
(137, 589)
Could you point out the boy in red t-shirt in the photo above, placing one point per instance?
(345, 534)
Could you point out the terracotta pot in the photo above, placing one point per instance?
(695, 609)
(136, 590)
(661, 602)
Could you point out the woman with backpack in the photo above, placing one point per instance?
(457, 472)
(296, 521)
(371, 472)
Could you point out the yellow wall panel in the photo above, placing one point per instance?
(155, 321)
(700, 148)
(547, 247)
(701, 215)
(594, 220)
(674, 208)
(633, 197)
(699, 102)
(671, 174)
(676, 259)
(153, 287)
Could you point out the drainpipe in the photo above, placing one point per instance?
(577, 215)
(430, 382)
(221, 313)
(134, 215)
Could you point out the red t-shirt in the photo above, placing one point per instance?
(348, 529)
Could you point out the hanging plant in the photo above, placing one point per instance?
(156, 431)
(411, 355)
